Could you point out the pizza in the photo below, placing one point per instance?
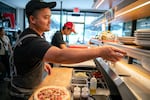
(52, 93)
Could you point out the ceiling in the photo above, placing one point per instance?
(83, 5)
(66, 4)
(89, 5)
(86, 5)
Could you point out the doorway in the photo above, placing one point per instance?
(78, 37)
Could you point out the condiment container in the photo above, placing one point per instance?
(77, 89)
(93, 85)
(85, 89)
(84, 94)
(76, 95)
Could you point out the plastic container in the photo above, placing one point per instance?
(76, 95)
(84, 94)
(77, 89)
(93, 85)
(85, 89)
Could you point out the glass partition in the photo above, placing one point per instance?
(143, 23)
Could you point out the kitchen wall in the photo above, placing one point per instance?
(20, 18)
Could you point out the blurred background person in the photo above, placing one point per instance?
(57, 39)
(5, 50)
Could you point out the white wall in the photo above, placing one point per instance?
(20, 18)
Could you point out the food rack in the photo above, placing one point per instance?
(102, 88)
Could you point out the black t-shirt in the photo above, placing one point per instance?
(30, 52)
(57, 39)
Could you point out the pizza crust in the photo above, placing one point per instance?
(52, 93)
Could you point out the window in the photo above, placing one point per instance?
(143, 23)
(85, 30)
(117, 28)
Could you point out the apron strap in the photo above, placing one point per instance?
(13, 68)
(11, 60)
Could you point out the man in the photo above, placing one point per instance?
(58, 40)
(32, 53)
(5, 49)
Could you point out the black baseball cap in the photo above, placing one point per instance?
(34, 5)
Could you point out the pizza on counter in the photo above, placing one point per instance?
(52, 93)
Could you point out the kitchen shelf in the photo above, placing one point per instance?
(95, 41)
(132, 51)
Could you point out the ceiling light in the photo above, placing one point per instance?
(99, 3)
(127, 11)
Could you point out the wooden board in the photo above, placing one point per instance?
(89, 63)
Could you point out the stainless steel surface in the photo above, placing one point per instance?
(124, 91)
(141, 54)
(139, 79)
(132, 51)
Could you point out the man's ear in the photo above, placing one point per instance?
(32, 19)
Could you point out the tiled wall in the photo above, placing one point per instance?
(143, 23)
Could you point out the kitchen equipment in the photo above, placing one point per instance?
(126, 40)
(142, 37)
(84, 84)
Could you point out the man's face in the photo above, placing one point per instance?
(41, 20)
(67, 31)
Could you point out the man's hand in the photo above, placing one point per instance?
(112, 54)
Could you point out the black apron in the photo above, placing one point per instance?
(19, 84)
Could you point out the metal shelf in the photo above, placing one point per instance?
(132, 51)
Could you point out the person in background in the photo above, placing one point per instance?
(32, 52)
(57, 39)
(2, 72)
(5, 50)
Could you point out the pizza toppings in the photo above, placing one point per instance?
(52, 93)
(97, 74)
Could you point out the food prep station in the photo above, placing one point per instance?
(114, 82)
(81, 80)
(110, 86)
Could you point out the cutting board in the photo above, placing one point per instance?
(58, 77)
(89, 63)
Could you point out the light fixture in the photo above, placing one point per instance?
(132, 9)
(127, 11)
(98, 3)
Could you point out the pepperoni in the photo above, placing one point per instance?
(51, 94)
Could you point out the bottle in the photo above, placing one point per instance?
(93, 85)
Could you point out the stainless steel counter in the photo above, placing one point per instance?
(131, 80)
